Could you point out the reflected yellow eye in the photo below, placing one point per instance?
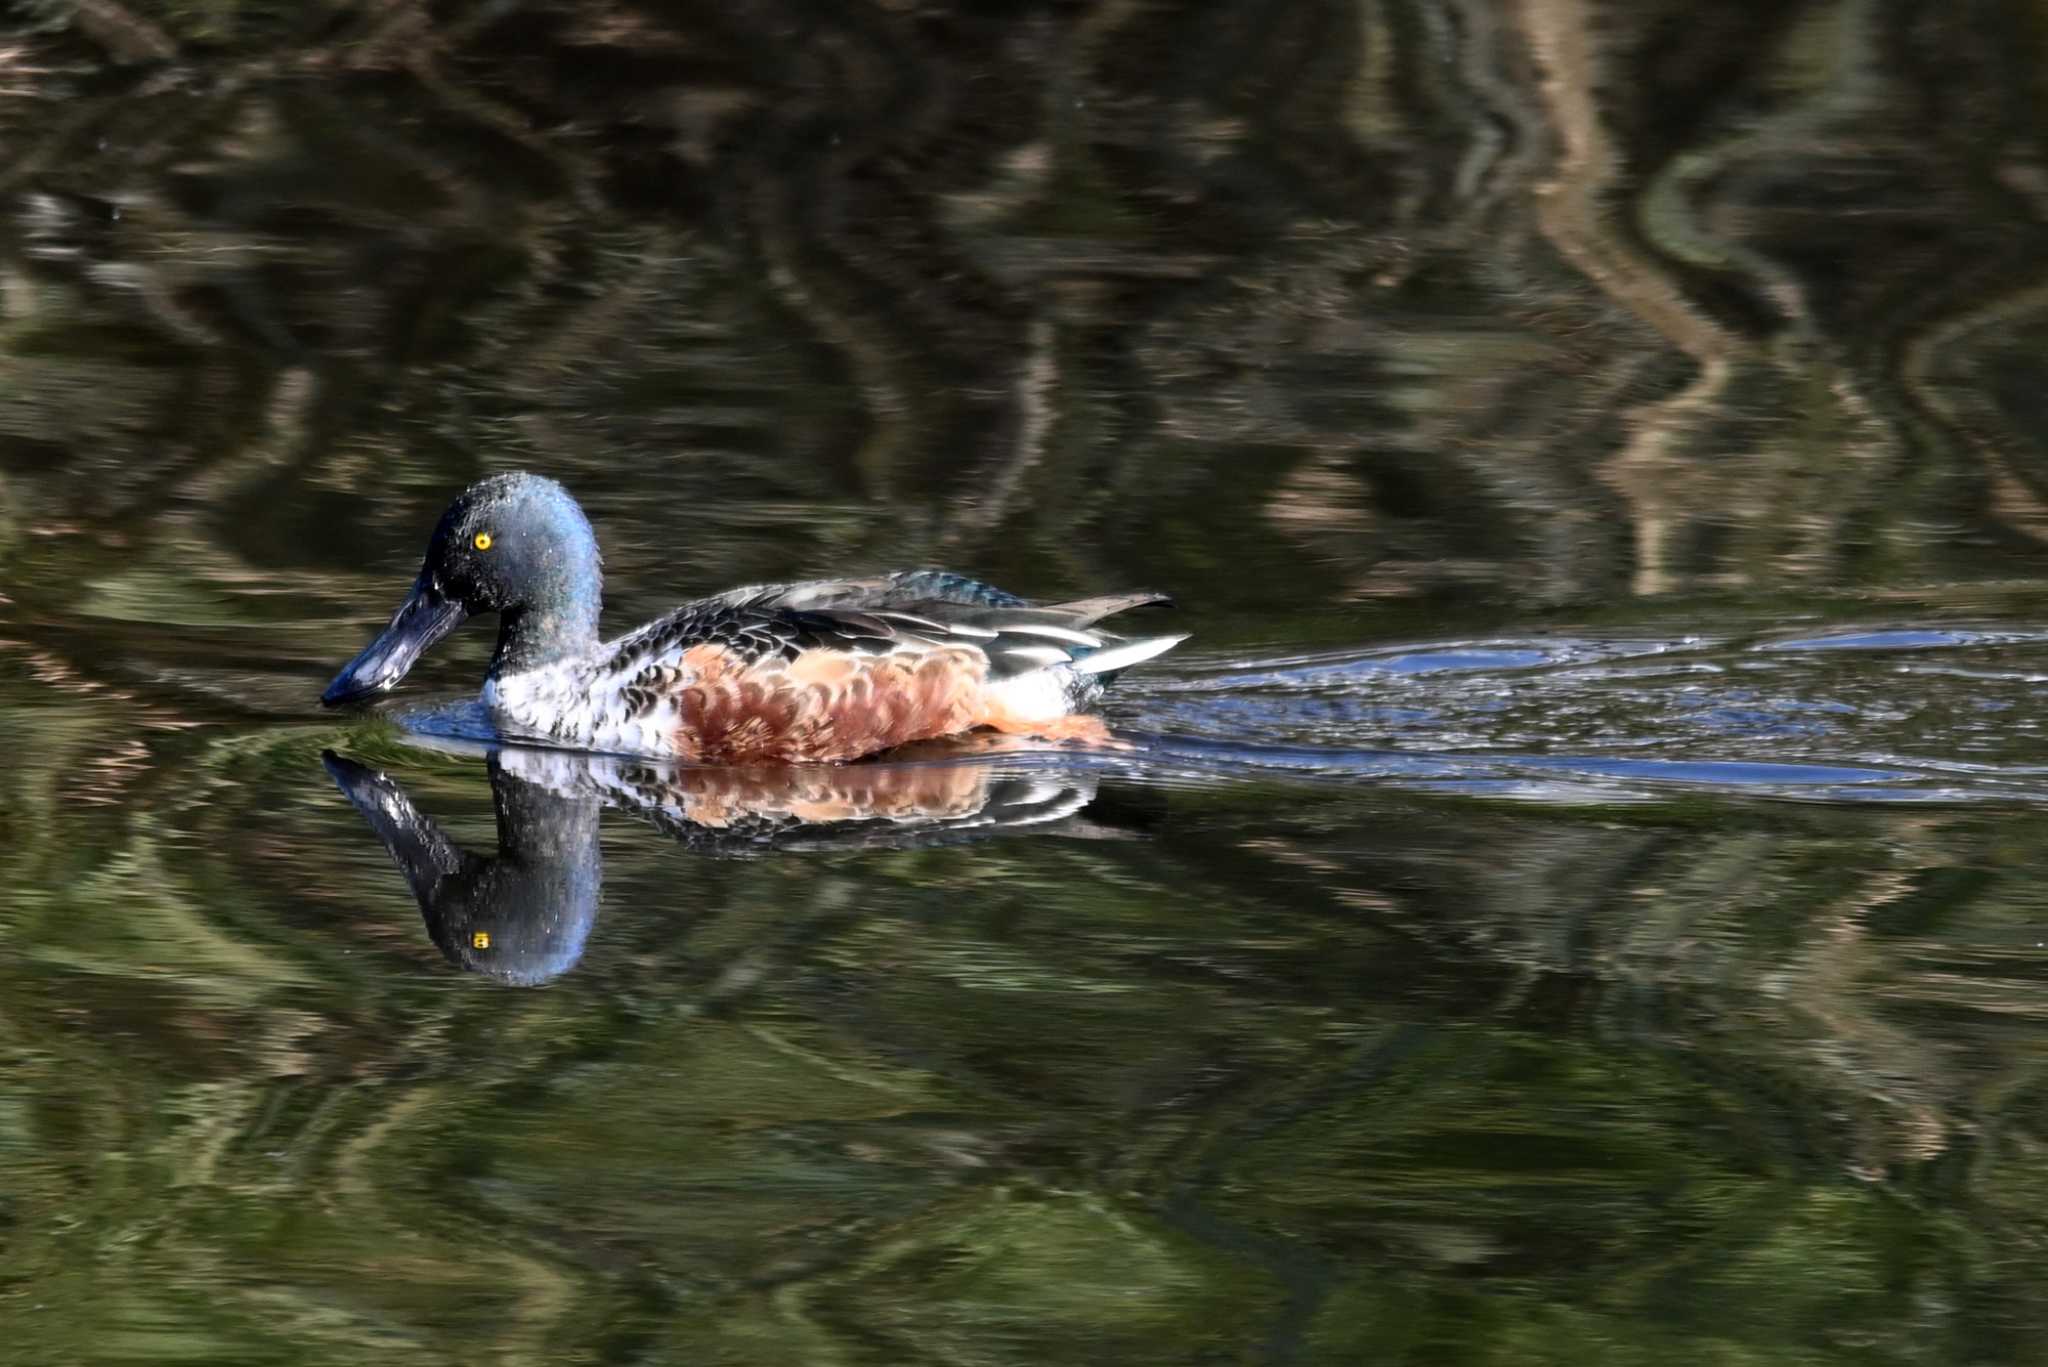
(483, 543)
(482, 939)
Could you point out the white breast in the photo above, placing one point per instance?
(580, 705)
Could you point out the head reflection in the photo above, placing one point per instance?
(523, 915)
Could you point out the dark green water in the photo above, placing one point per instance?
(1580, 897)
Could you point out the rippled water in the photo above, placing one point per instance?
(1433, 997)
(1885, 713)
(1581, 894)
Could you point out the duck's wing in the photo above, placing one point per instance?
(901, 589)
(922, 590)
(764, 630)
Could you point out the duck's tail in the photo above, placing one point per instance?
(1049, 662)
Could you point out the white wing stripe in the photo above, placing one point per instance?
(1127, 654)
(1044, 655)
(1079, 638)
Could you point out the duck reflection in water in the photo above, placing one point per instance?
(524, 914)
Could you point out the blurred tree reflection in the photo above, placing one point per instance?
(1436, 301)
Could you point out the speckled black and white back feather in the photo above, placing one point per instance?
(913, 609)
(1017, 639)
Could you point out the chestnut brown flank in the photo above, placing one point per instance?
(827, 705)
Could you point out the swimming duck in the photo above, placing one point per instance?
(825, 670)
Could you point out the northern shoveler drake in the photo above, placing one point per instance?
(820, 671)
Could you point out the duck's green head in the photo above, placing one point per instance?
(516, 545)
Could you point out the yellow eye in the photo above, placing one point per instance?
(483, 541)
(482, 939)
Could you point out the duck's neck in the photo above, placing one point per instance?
(556, 624)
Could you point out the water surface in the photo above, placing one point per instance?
(1560, 987)
(1578, 897)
